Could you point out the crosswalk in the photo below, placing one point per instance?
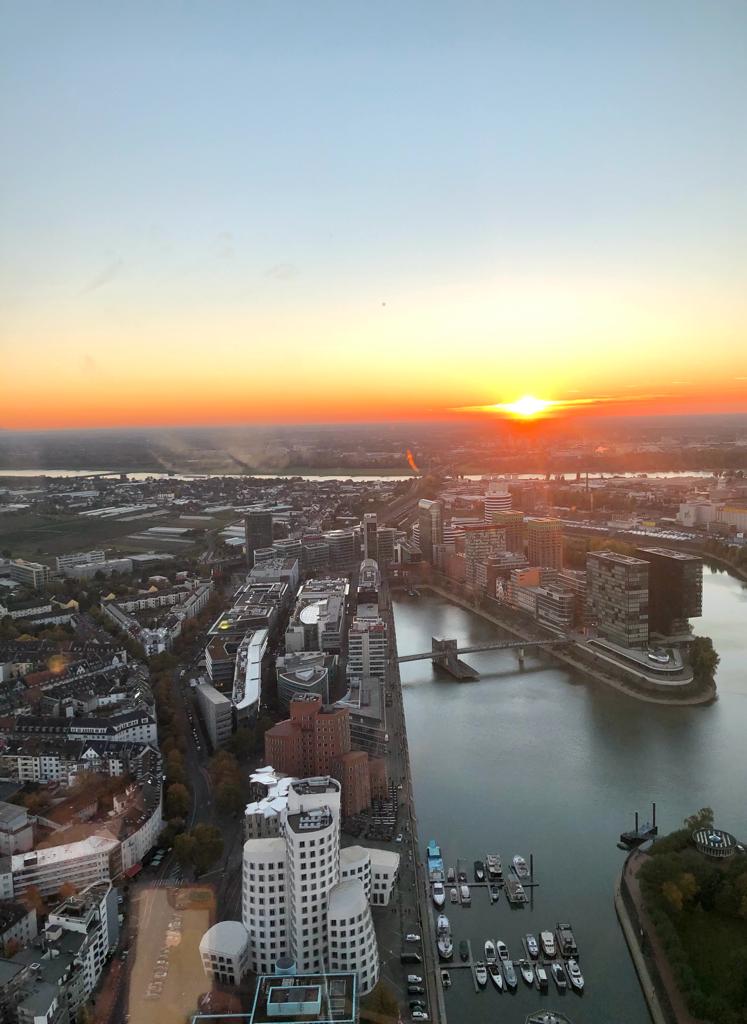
(165, 883)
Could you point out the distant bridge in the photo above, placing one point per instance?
(445, 653)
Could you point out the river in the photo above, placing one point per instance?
(540, 761)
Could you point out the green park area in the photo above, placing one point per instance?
(698, 906)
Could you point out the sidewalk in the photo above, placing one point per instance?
(632, 866)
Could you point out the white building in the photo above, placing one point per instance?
(247, 679)
(215, 709)
(78, 558)
(351, 936)
(16, 831)
(497, 499)
(33, 574)
(224, 951)
(289, 881)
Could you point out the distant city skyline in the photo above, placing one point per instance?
(233, 213)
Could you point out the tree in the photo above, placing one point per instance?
(228, 797)
(701, 819)
(688, 886)
(67, 889)
(208, 846)
(672, 894)
(703, 659)
(34, 900)
(184, 849)
(177, 801)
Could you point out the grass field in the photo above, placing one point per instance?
(41, 537)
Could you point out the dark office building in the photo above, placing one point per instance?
(258, 533)
(675, 584)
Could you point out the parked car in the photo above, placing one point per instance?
(412, 937)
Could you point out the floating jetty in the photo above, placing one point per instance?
(641, 833)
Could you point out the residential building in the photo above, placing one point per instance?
(215, 710)
(545, 543)
(16, 830)
(514, 526)
(18, 925)
(481, 543)
(675, 588)
(617, 597)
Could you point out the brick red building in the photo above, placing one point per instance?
(315, 740)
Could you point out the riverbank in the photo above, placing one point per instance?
(707, 695)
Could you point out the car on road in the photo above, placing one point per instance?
(419, 1015)
(415, 990)
(412, 937)
(417, 1004)
(414, 979)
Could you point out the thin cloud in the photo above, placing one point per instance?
(282, 272)
(105, 276)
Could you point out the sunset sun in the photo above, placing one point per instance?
(527, 406)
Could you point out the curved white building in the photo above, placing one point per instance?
(497, 499)
(263, 902)
(352, 940)
(224, 951)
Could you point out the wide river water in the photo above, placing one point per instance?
(541, 761)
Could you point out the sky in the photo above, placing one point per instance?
(223, 212)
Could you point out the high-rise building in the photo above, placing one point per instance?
(257, 532)
(289, 890)
(343, 549)
(675, 587)
(370, 536)
(480, 544)
(497, 499)
(368, 648)
(617, 597)
(385, 541)
(514, 526)
(430, 523)
(545, 543)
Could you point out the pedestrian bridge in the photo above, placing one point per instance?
(445, 652)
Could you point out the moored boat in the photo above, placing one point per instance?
(559, 977)
(509, 973)
(443, 938)
(445, 979)
(481, 974)
(495, 892)
(547, 1017)
(501, 949)
(548, 943)
(566, 941)
(464, 894)
(453, 894)
(520, 866)
(532, 947)
(479, 869)
(450, 875)
(438, 893)
(527, 971)
(496, 976)
(461, 871)
(493, 866)
(489, 952)
(541, 975)
(575, 975)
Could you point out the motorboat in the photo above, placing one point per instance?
(509, 973)
(481, 974)
(496, 976)
(479, 868)
(464, 894)
(489, 952)
(438, 893)
(541, 976)
(548, 943)
(521, 868)
(450, 875)
(461, 871)
(445, 979)
(575, 975)
(495, 892)
(443, 938)
(453, 894)
(532, 946)
(464, 950)
(547, 1017)
(501, 949)
(527, 971)
(559, 977)
(493, 867)
(566, 941)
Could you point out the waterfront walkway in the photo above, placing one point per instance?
(568, 659)
(654, 950)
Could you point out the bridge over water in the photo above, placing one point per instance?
(445, 652)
